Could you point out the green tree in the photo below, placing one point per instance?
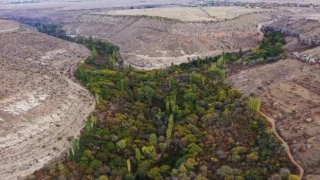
(254, 156)
(147, 93)
(112, 62)
(153, 139)
(163, 147)
(222, 95)
(103, 177)
(225, 171)
(121, 144)
(138, 154)
(122, 84)
(190, 164)
(284, 172)
(221, 61)
(94, 52)
(170, 127)
(254, 104)
(95, 164)
(129, 166)
(155, 173)
(145, 166)
(293, 177)
(193, 149)
(172, 83)
(149, 150)
(75, 146)
(191, 97)
(97, 98)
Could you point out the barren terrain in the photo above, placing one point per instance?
(148, 42)
(190, 13)
(40, 106)
(289, 91)
(7, 26)
(280, 1)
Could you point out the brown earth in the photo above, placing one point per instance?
(281, 1)
(8, 26)
(40, 104)
(189, 14)
(290, 93)
(151, 42)
(156, 42)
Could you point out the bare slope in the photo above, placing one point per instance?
(8, 26)
(290, 93)
(148, 42)
(40, 107)
(189, 13)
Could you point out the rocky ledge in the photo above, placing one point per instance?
(305, 58)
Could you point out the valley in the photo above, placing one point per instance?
(122, 67)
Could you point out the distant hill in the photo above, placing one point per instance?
(281, 1)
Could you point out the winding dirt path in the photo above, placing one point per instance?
(273, 125)
(272, 121)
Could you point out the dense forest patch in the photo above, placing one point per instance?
(184, 122)
(269, 50)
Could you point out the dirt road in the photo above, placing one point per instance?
(289, 94)
(273, 125)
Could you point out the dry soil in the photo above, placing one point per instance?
(40, 104)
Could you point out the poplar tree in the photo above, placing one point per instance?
(170, 127)
(138, 154)
(129, 166)
(97, 97)
(112, 63)
(254, 104)
(172, 83)
(94, 52)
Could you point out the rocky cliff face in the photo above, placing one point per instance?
(311, 41)
(307, 31)
(305, 58)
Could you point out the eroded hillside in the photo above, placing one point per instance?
(148, 42)
(40, 106)
(289, 91)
